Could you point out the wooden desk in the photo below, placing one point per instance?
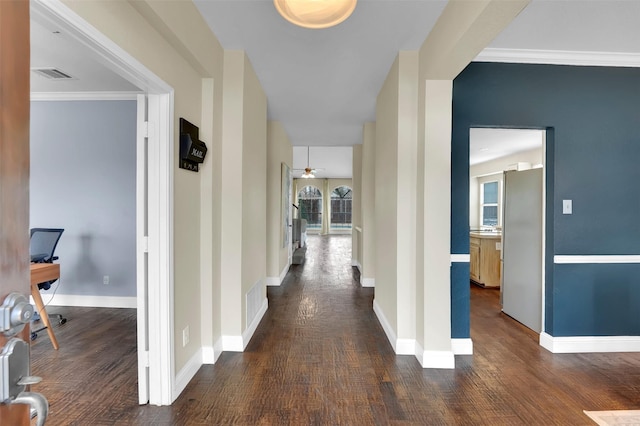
(42, 272)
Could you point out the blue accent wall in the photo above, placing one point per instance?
(592, 115)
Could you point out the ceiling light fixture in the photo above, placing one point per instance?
(315, 13)
(308, 171)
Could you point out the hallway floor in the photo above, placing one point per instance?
(320, 357)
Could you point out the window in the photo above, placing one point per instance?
(489, 193)
(341, 207)
(310, 205)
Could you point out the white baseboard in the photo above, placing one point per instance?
(272, 281)
(354, 262)
(388, 330)
(232, 343)
(462, 346)
(589, 344)
(210, 354)
(276, 281)
(367, 282)
(88, 301)
(438, 359)
(406, 346)
(187, 372)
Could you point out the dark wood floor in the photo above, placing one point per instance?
(320, 357)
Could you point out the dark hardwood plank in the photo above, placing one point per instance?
(320, 357)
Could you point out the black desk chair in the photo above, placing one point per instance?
(42, 248)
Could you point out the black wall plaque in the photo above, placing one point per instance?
(192, 149)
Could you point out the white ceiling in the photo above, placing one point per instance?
(322, 84)
(486, 144)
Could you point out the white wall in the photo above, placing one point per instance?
(83, 179)
(368, 197)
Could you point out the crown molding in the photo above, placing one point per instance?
(560, 57)
(84, 96)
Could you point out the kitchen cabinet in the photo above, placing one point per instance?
(484, 258)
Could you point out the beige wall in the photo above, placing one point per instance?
(386, 196)
(368, 198)
(395, 195)
(181, 57)
(279, 150)
(356, 209)
(244, 190)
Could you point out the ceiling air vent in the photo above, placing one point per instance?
(52, 73)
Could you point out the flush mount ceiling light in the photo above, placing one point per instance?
(315, 13)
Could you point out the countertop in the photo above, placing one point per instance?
(486, 234)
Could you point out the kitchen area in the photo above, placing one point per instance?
(505, 218)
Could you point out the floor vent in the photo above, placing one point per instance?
(52, 73)
(254, 301)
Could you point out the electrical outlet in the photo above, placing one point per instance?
(185, 336)
(105, 280)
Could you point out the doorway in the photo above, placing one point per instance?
(154, 251)
(506, 173)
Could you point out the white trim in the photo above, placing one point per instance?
(272, 281)
(187, 373)
(460, 258)
(438, 359)
(356, 264)
(83, 96)
(589, 344)
(559, 57)
(388, 330)
(367, 282)
(419, 353)
(406, 346)
(160, 194)
(210, 354)
(248, 333)
(88, 301)
(564, 259)
(462, 346)
(276, 281)
(232, 343)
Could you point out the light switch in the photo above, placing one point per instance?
(567, 207)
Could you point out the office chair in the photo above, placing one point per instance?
(42, 248)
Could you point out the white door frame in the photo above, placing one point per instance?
(160, 193)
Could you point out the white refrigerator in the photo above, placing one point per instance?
(522, 251)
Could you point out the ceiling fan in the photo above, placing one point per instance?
(308, 172)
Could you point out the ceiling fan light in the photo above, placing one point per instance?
(315, 13)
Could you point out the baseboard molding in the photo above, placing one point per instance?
(462, 346)
(355, 263)
(210, 354)
(272, 281)
(388, 330)
(187, 373)
(406, 346)
(232, 343)
(276, 281)
(438, 359)
(367, 282)
(88, 301)
(589, 344)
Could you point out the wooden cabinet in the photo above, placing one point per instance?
(484, 254)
